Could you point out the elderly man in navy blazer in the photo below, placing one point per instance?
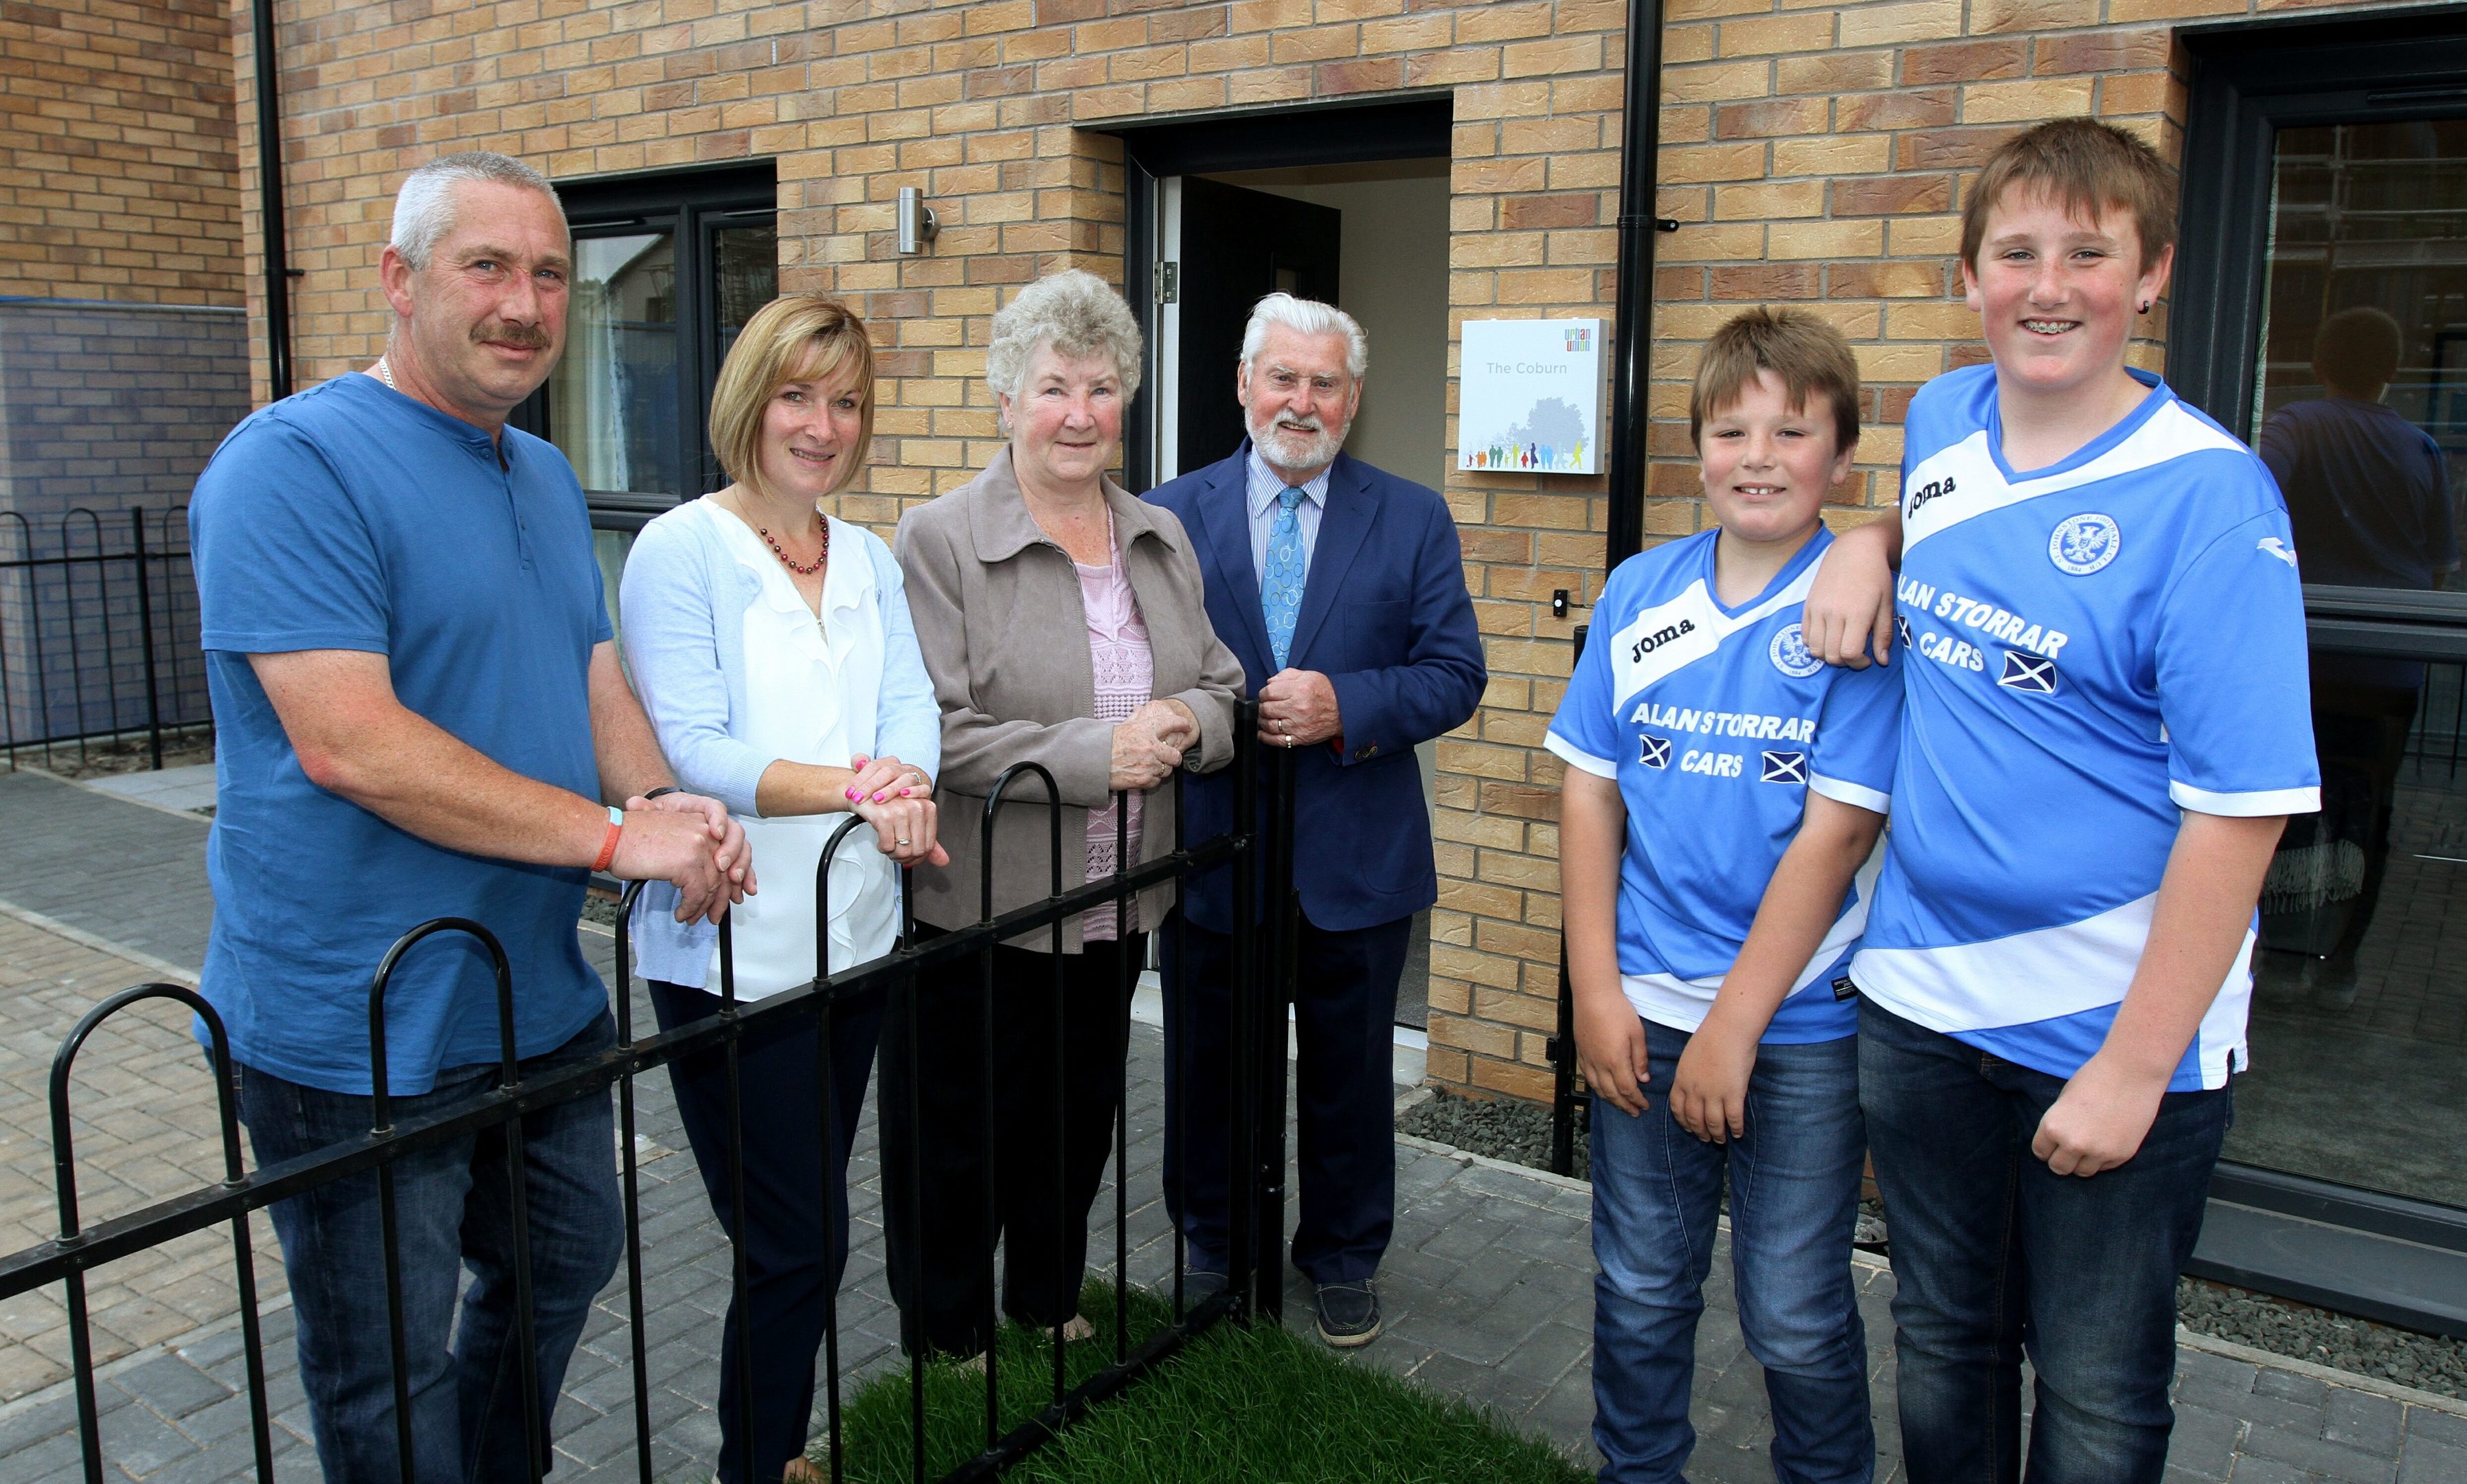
(1342, 590)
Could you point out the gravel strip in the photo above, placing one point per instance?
(1519, 1133)
(1506, 1128)
(2427, 1362)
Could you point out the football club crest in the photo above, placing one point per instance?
(1652, 751)
(1784, 768)
(1790, 654)
(1902, 629)
(2082, 544)
(2030, 673)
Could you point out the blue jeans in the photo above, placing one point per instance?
(452, 1211)
(1793, 1203)
(1993, 1253)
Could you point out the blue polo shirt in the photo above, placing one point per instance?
(353, 517)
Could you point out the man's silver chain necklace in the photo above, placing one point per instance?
(385, 374)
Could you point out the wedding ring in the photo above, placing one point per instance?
(899, 842)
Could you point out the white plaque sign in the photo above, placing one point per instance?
(1529, 397)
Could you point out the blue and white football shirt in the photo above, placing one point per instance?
(1715, 722)
(2090, 649)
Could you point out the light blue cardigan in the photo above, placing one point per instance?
(689, 668)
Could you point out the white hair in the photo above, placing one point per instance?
(1310, 317)
(424, 209)
(1079, 316)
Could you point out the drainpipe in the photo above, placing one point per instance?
(269, 187)
(1632, 331)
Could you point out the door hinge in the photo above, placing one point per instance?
(1168, 282)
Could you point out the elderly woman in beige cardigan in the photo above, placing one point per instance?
(1063, 624)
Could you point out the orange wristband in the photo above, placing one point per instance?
(608, 846)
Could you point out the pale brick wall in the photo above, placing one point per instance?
(116, 170)
(1816, 154)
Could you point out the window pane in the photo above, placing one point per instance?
(613, 398)
(610, 547)
(2360, 1003)
(745, 268)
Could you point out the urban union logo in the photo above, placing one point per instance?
(2082, 544)
(1581, 340)
(1790, 654)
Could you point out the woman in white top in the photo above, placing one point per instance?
(772, 646)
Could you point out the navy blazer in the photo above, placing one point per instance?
(1386, 617)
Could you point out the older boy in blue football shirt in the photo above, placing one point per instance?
(1724, 794)
(2106, 727)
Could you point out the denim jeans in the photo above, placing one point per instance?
(1995, 1254)
(452, 1211)
(1793, 1203)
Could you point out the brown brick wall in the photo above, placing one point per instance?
(1816, 154)
(117, 175)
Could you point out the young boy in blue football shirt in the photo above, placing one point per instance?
(1720, 809)
(2103, 644)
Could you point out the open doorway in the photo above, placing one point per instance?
(1370, 237)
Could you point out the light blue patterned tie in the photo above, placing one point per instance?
(1280, 590)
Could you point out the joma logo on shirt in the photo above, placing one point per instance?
(1932, 489)
(1659, 637)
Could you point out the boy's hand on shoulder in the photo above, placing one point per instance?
(1709, 1093)
(2100, 1120)
(1611, 1051)
(1850, 604)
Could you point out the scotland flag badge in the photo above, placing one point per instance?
(1784, 768)
(1652, 751)
(2029, 673)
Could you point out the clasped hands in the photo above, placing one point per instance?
(1149, 745)
(898, 799)
(691, 842)
(1298, 709)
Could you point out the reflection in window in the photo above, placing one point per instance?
(2360, 1008)
(613, 398)
(745, 267)
(609, 549)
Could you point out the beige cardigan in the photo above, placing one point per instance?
(1004, 637)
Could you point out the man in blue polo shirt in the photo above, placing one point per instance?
(418, 713)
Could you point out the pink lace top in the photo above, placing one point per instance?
(1117, 646)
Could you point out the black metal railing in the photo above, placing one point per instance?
(1261, 984)
(99, 634)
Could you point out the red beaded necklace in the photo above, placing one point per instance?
(790, 563)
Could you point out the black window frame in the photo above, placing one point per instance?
(2361, 1252)
(693, 204)
(2247, 80)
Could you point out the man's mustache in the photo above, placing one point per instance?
(530, 337)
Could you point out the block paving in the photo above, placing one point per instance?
(1487, 1290)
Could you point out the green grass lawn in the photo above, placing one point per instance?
(1236, 1404)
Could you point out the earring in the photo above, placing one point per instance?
(2145, 306)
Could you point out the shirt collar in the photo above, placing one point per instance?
(1003, 528)
(1266, 484)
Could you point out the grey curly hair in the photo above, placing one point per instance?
(1074, 312)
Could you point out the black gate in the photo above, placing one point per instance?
(1260, 859)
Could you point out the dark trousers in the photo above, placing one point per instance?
(453, 1211)
(1345, 1013)
(1051, 1129)
(796, 1226)
(1995, 1255)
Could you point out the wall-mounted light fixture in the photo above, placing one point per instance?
(916, 224)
